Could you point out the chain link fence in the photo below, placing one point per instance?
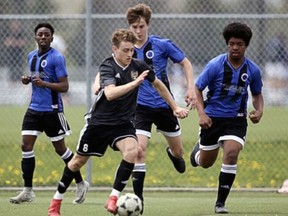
(82, 33)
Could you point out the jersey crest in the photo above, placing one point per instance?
(134, 74)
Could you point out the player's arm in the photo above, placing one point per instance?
(112, 92)
(96, 85)
(61, 86)
(164, 92)
(190, 97)
(258, 104)
(204, 120)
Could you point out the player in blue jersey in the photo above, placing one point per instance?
(109, 122)
(45, 112)
(223, 115)
(151, 108)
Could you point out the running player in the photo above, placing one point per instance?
(45, 112)
(151, 108)
(223, 116)
(109, 121)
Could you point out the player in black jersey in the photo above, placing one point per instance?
(109, 121)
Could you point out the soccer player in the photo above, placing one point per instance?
(223, 115)
(109, 121)
(45, 112)
(151, 108)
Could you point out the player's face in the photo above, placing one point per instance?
(43, 38)
(124, 53)
(236, 49)
(140, 29)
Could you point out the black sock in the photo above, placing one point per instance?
(122, 175)
(66, 180)
(138, 183)
(28, 167)
(77, 175)
(225, 183)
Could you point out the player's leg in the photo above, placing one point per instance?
(143, 124)
(53, 124)
(68, 175)
(30, 131)
(169, 126)
(128, 148)
(232, 143)
(227, 174)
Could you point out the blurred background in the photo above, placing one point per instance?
(82, 34)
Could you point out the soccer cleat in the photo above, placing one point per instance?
(220, 209)
(81, 191)
(193, 153)
(54, 208)
(27, 195)
(178, 163)
(111, 204)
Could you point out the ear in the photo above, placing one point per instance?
(114, 48)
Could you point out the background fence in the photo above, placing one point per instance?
(82, 33)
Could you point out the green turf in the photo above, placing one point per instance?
(156, 204)
(262, 163)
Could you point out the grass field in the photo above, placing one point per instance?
(156, 204)
(262, 163)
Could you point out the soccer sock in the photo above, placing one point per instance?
(123, 174)
(28, 167)
(226, 179)
(66, 180)
(138, 177)
(67, 156)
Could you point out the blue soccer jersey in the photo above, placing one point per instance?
(49, 66)
(228, 87)
(156, 52)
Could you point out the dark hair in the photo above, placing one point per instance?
(237, 30)
(45, 25)
(120, 35)
(134, 14)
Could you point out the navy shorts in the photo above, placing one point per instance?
(164, 120)
(54, 124)
(223, 129)
(94, 139)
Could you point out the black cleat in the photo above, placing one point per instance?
(193, 153)
(178, 163)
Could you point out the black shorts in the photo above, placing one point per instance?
(223, 129)
(54, 124)
(164, 120)
(94, 139)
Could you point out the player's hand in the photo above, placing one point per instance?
(205, 121)
(140, 78)
(26, 80)
(190, 99)
(181, 112)
(255, 116)
(38, 82)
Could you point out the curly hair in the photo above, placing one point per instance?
(120, 35)
(238, 30)
(44, 25)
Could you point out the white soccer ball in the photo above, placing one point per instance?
(129, 205)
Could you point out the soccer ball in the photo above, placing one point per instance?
(129, 205)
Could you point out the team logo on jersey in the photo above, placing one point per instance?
(244, 77)
(134, 75)
(44, 63)
(150, 54)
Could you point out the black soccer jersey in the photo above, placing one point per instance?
(121, 110)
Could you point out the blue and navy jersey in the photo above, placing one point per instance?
(49, 66)
(228, 87)
(156, 52)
